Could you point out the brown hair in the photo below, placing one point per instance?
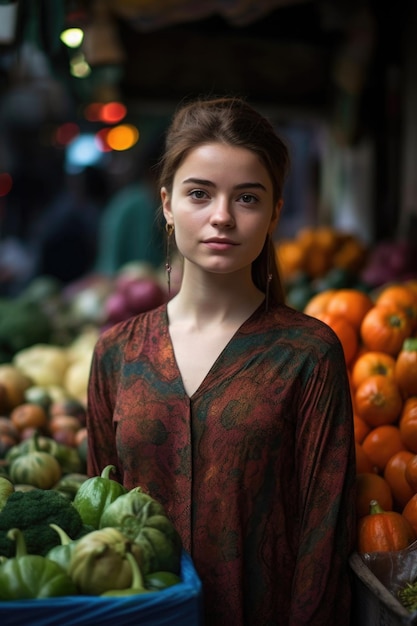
(232, 121)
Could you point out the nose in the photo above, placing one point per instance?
(222, 215)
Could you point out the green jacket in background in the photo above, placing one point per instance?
(129, 230)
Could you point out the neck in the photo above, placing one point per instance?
(211, 299)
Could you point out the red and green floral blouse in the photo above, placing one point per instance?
(256, 470)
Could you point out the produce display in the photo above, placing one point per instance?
(49, 548)
(322, 258)
(378, 332)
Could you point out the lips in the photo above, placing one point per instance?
(221, 241)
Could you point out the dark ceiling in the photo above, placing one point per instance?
(285, 57)
(288, 55)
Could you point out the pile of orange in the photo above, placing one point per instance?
(316, 250)
(379, 337)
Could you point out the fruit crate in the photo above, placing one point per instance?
(179, 605)
(373, 602)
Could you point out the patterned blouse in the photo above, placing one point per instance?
(256, 469)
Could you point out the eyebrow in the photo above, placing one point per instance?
(209, 183)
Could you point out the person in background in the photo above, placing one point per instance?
(66, 233)
(129, 229)
(228, 407)
(16, 262)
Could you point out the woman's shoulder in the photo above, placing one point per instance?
(134, 328)
(296, 326)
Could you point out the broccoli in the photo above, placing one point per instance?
(32, 512)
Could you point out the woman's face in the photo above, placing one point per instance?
(221, 206)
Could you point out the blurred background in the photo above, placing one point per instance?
(82, 121)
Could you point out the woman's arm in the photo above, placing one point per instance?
(326, 475)
(100, 426)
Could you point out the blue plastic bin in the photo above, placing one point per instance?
(179, 605)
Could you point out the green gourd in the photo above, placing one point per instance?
(28, 576)
(95, 495)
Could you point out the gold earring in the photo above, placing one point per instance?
(169, 230)
(268, 271)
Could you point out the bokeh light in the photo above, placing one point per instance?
(122, 137)
(72, 37)
(101, 139)
(83, 152)
(66, 133)
(112, 112)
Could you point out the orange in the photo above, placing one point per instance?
(405, 370)
(411, 472)
(369, 363)
(384, 329)
(346, 333)
(408, 423)
(371, 486)
(381, 443)
(290, 257)
(361, 428)
(351, 304)
(410, 512)
(378, 400)
(318, 303)
(363, 462)
(402, 296)
(394, 474)
(411, 283)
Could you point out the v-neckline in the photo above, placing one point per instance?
(208, 372)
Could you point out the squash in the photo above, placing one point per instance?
(14, 384)
(383, 531)
(44, 364)
(29, 415)
(39, 469)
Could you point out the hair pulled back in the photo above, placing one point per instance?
(230, 120)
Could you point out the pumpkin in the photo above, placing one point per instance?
(39, 469)
(383, 531)
(371, 486)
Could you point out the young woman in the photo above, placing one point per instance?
(228, 407)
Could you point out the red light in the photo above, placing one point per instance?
(66, 133)
(112, 112)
